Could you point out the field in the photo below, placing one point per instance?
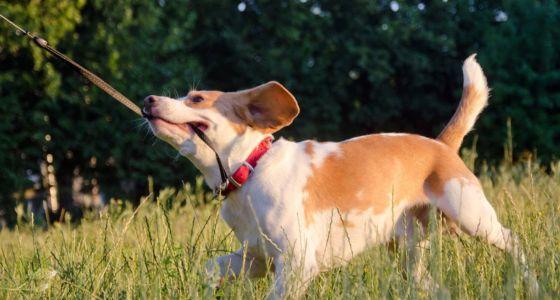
(158, 250)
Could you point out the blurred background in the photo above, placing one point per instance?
(356, 67)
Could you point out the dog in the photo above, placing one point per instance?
(309, 206)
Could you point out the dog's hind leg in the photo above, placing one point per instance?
(463, 201)
(415, 243)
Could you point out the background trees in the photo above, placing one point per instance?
(355, 66)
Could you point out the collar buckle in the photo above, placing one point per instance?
(233, 182)
(248, 165)
(229, 182)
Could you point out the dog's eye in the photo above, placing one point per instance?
(197, 99)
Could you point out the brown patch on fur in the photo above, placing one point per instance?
(345, 224)
(386, 170)
(226, 106)
(268, 107)
(220, 102)
(309, 148)
(210, 98)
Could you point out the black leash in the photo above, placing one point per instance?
(223, 174)
(100, 83)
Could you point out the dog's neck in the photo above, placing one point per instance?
(232, 155)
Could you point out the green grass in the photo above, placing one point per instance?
(158, 250)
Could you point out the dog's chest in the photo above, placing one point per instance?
(256, 214)
(239, 216)
(269, 203)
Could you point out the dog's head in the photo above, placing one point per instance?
(230, 120)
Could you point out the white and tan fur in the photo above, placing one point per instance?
(310, 206)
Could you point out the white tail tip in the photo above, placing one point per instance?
(472, 73)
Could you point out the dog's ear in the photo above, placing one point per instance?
(268, 107)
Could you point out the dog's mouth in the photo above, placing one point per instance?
(200, 125)
(188, 126)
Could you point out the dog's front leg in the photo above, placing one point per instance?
(293, 274)
(234, 265)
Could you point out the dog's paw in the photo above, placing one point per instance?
(532, 286)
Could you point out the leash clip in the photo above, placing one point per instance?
(218, 190)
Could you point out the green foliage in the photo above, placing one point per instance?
(525, 79)
(159, 249)
(27, 82)
(355, 66)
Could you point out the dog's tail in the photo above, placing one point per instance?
(473, 101)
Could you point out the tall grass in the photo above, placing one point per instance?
(158, 250)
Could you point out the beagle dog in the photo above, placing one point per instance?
(309, 206)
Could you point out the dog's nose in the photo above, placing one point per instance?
(149, 101)
(148, 104)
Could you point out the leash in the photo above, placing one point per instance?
(111, 91)
(223, 174)
(42, 43)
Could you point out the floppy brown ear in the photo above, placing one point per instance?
(268, 107)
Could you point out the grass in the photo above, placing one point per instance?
(158, 250)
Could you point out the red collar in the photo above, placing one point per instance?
(242, 174)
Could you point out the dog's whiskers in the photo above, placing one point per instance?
(194, 85)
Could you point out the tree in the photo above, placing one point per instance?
(356, 67)
(24, 93)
